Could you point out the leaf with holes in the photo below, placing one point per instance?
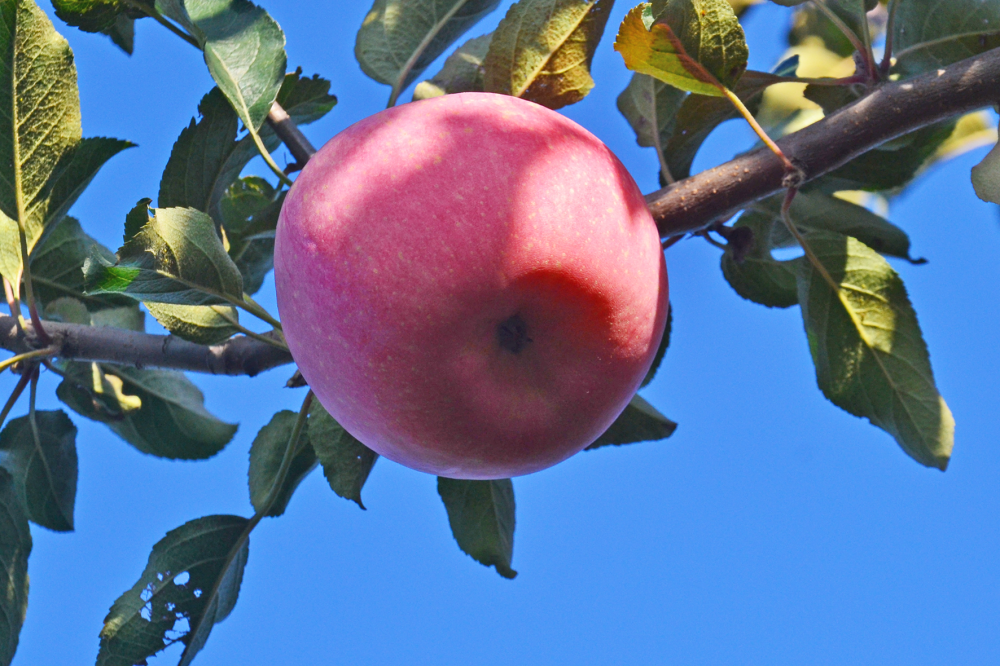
(346, 461)
(930, 34)
(266, 454)
(159, 412)
(41, 458)
(175, 257)
(640, 422)
(194, 575)
(870, 356)
(400, 38)
(542, 50)
(15, 546)
(47, 163)
(694, 45)
(650, 107)
(462, 71)
(481, 514)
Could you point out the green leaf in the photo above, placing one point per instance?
(346, 461)
(250, 212)
(177, 585)
(699, 115)
(462, 71)
(47, 163)
(400, 38)
(542, 50)
(89, 15)
(177, 257)
(266, 453)
(640, 422)
(203, 324)
(891, 166)
(694, 45)
(651, 107)
(158, 412)
(986, 177)
(41, 458)
(481, 514)
(930, 34)
(245, 53)
(661, 351)
(122, 33)
(752, 271)
(57, 266)
(205, 159)
(15, 546)
(870, 356)
(305, 99)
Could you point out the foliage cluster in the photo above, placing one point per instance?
(195, 261)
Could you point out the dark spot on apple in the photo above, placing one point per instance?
(512, 333)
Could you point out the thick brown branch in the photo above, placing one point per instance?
(290, 134)
(890, 111)
(237, 356)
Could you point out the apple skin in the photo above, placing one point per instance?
(472, 284)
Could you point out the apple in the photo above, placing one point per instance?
(472, 284)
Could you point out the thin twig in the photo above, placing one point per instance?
(18, 390)
(26, 356)
(272, 496)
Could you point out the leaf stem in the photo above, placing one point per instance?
(859, 46)
(12, 302)
(18, 390)
(27, 356)
(890, 26)
(247, 332)
(262, 149)
(272, 496)
(786, 217)
(768, 141)
(254, 308)
(162, 20)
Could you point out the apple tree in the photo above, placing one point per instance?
(874, 94)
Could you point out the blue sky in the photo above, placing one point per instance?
(772, 528)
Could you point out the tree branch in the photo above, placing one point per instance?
(237, 356)
(887, 112)
(290, 134)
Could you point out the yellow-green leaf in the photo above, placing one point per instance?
(462, 71)
(542, 50)
(694, 45)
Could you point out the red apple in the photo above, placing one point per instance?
(472, 284)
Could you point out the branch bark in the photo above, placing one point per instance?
(889, 111)
(688, 205)
(237, 356)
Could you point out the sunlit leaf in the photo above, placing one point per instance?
(41, 458)
(481, 514)
(542, 50)
(640, 422)
(176, 257)
(870, 356)
(15, 546)
(694, 45)
(462, 71)
(346, 461)
(266, 454)
(47, 163)
(204, 324)
(190, 580)
(400, 38)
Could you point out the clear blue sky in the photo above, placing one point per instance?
(773, 528)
